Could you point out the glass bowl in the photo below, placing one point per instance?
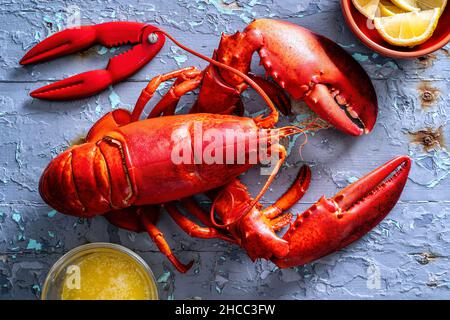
(54, 283)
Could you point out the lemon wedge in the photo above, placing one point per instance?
(408, 29)
(431, 4)
(388, 9)
(415, 5)
(367, 7)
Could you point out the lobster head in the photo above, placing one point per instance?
(309, 67)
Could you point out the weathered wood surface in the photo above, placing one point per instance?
(408, 252)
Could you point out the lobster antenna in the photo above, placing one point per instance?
(247, 79)
(286, 131)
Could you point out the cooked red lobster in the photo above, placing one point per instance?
(126, 169)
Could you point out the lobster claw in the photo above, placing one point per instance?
(331, 224)
(110, 34)
(312, 67)
(306, 65)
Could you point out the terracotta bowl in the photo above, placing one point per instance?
(370, 37)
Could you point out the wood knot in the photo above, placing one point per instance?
(429, 138)
(427, 96)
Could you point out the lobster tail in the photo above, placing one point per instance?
(77, 182)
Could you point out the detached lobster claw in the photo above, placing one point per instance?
(147, 39)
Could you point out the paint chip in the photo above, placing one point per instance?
(114, 99)
(34, 245)
(52, 213)
(16, 217)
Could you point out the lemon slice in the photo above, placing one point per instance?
(388, 9)
(408, 29)
(367, 7)
(415, 5)
(431, 4)
(407, 5)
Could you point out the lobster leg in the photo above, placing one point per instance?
(242, 208)
(191, 205)
(192, 76)
(185, 83)
(158, 237)
(168, 103)
(188, 79)
(193, 229)
(292, 195)
(273, 212)
(295, 192)
(139, 219)
(128, 219)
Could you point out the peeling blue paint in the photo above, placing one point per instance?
(178, 55)
(98, 107)
(164, 277)
(34, 245)
(432, 167)
(36, 288)
(52, 213)
(392, 65)
(16, 217)
(102, 51)
(114, 99)
(360, 57)
(222, 7)
(347, 46)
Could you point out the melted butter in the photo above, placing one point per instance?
(107, 276)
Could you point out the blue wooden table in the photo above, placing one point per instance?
(406, 256)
